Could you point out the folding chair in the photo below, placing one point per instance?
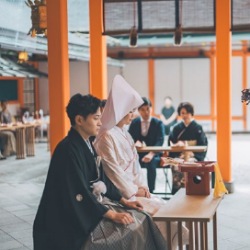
(168, 188)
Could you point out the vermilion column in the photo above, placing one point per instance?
(223, 87)
(98, 51)
(58, 69)
(151, 81)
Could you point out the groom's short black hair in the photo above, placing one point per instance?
(83, 105)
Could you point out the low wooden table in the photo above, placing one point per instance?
(25, 139)
(171, 149)
(193, 210)
(185, 150)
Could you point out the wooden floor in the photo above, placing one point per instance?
(22, 181)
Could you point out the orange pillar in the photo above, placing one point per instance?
(98, 51)
(151, 82)
(212, 85)
(223, 87)
(58, 69)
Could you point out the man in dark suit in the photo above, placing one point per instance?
(148, 130)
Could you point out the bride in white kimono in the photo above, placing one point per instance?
(117, 149)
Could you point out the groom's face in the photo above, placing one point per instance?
(90, 125)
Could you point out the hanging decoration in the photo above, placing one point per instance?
(38, 17)
(178, 30)
(133, 36)
(22, 57)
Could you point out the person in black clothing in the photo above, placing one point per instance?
(78, 200)
(168, 115)
(149, 130)
(187, 132)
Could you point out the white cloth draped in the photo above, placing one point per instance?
(120, 161)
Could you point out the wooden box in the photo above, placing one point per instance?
(197, 177)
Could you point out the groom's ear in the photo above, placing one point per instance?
(79, 119)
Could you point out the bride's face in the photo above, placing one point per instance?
(126, 120)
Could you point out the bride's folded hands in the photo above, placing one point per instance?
(143, 192)
(131, 204)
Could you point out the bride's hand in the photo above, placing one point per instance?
(143, 192)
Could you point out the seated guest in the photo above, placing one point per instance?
(189, 132)
(5, 115)
(168, 114)
(117, 149)
(1, 149)
(79, 201)
(7, 137)
(148, 130)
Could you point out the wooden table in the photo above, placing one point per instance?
(196, 211)
(25, 139)
(171, 149)
(185, 150)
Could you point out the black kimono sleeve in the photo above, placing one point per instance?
(68, 211)
(201, 141)
(81, 205)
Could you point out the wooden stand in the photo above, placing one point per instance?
(197, 177)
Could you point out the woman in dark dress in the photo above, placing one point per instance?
(187, 132)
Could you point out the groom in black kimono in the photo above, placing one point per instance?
(70, 207)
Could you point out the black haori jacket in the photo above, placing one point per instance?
(68, 210)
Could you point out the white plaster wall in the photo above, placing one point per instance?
(167, 82)
(79, 77)
(248, 85)
(236, 82)
(112, 72)
(43, 86)
(183, 80)
(195, 84)
(136, 74)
